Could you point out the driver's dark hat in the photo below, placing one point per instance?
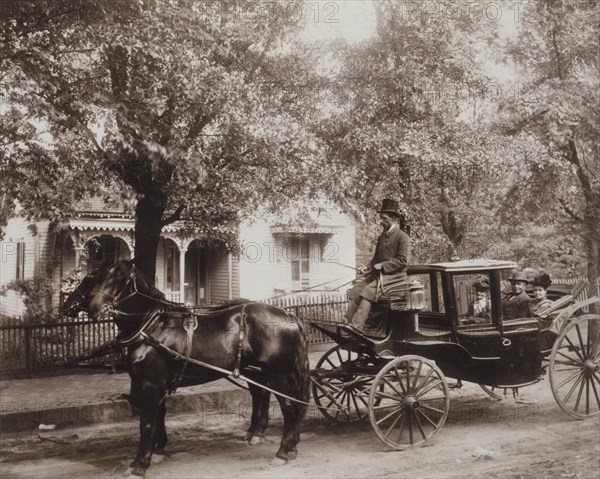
(391, 207)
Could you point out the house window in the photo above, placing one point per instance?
(171, 267)
(298, 253)
(20, 260)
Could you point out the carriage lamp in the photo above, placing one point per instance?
(416, 296)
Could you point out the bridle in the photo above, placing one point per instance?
(118, 299)
(78, 305)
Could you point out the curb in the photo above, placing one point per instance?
(225, 400)
(29, 402)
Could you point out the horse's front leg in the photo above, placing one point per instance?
(149, 371)
(160, 435)
(151, 398)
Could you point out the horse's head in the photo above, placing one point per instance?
(79, 299)
(100, 290)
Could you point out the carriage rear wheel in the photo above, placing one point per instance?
(575, 367)
(409, 402)
(339, 387)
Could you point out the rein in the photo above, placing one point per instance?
(319, 285)
(160, 346)
(190, 324)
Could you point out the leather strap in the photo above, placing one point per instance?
(238, 360)
(190, 324)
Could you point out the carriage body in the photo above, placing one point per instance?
(501, 353)
(391, 378)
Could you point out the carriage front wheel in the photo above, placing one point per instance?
(575, 367)
(339, 389)
(408, 402)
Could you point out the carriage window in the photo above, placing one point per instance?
(432, 286)
(472, 295)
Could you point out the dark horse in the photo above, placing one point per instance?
(266, 343)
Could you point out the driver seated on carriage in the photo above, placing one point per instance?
(387, 269)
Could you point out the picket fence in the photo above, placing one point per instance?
(44, 346)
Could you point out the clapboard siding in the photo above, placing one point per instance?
(265, 268)
(36, 255)
(218, 276)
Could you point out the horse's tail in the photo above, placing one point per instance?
(300, 374)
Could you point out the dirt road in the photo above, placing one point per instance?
(482, 438)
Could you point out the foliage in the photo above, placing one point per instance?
(37, 296)
(560, 70)
(202, 111)
(404, 129)
(162, 100)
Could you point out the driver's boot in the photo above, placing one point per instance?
(349, 314)
(362, 313)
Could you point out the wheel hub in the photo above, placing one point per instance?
(591, 367)
(411, 402)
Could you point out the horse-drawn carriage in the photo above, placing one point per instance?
(399, 380)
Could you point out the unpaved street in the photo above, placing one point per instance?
(482, 438)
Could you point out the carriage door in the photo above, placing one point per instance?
(521, 360)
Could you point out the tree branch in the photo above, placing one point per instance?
(573, 158)
(174, 217)
(524, 122)
(80, 50)
(569, 211)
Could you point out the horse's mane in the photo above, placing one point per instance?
(145, 286)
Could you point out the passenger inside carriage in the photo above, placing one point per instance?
(516, 303)
(540, 288)
(479, 311)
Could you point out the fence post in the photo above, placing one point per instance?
(28, 358)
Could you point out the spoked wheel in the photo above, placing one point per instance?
(409, 402)
(500, 393)
(339, 387)
(575, 367)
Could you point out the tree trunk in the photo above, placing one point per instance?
(148, 226)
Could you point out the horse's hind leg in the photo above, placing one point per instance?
(293, 413)
(260, 414)
(160, 435)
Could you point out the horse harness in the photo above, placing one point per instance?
(189, 324)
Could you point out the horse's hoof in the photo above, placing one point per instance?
(138, 471)
(291, 455)
(278, 461)
(254, 440)
(158, 458)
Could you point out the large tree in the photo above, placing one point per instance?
(163, 101)
(556, 53)
(403, 127)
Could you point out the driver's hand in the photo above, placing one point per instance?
(378, 266)
(362, 269)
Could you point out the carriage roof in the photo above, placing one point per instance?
(466, 265)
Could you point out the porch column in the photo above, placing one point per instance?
(78, 252)
(182, 252)
(230, 281)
